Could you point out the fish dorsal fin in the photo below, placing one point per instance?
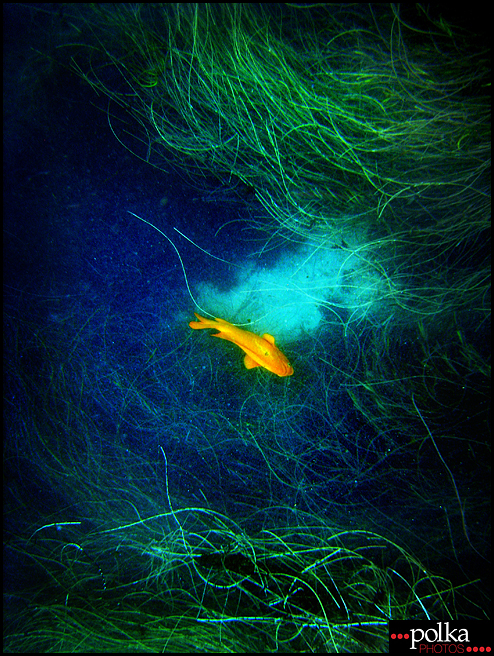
(269, 338)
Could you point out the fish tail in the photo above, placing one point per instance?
(202, 323)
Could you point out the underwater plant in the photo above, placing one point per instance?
(164, 497)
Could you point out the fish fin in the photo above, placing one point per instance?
(222, 335)
(250, 363)
(269, 338)
(202, 323)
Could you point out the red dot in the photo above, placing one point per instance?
(393, 636)
(406, 636)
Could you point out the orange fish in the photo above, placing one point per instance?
(260, 351)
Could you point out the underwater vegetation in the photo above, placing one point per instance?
(162, 496)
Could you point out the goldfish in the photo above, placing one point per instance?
(260, 351)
